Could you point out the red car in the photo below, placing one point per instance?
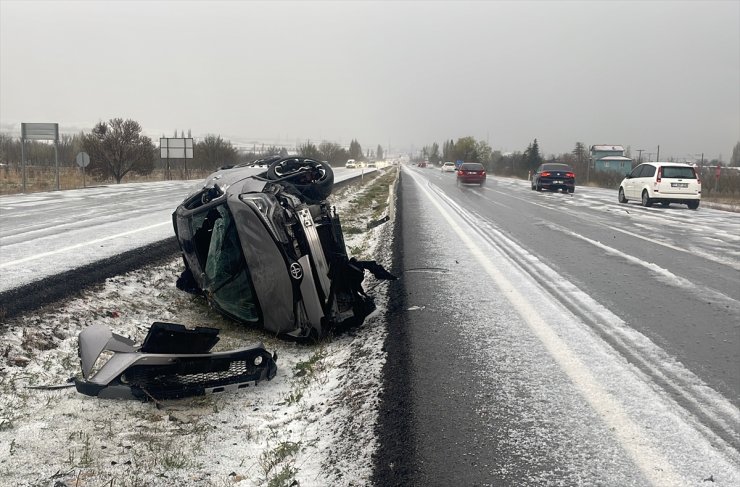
(471, 173)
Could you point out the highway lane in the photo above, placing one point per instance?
(550, 343)
(671, 274)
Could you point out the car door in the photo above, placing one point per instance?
(631, 181)
(645, 180)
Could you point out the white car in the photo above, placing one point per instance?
(448, 167)
(351, 164)
(662, 182)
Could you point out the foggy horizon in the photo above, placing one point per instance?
(408, 74)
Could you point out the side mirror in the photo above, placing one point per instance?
(628, 176)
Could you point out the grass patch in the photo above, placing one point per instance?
(271, 460)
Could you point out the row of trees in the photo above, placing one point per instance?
(469, 149)
(118, 148)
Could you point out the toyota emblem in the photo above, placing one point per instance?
(296, 271)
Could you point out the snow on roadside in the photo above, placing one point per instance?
(313, 423)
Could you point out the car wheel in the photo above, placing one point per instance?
(312, 179)
(571, 191)
(621, 197)
(693, 205)
(646, 201)
(538, 187)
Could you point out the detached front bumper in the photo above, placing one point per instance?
(173, 362)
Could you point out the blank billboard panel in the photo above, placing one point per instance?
(176, 148)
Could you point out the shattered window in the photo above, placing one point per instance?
(229, 282)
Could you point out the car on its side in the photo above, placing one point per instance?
(471, 173)
(448, 167)
(351, 164)
(267, 249)
(662, 182)
(554, 176)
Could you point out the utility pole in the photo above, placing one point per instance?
(657, 158)
(639, 155)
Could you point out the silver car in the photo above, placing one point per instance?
(265, 248)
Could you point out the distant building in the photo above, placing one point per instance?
(610, 158)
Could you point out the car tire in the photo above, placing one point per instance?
(646, 201)
(621, 197)
(571, 191)
(288, 171)
(538, 187)
(693, 205)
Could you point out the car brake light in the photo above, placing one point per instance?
(570, 175)
(660, 174)
(460, 173)
(545, 174)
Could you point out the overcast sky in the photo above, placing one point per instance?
(640, 74)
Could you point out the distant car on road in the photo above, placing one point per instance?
(471, 173)
(372, 164)
(662, 182)
(351, 164)
(554, 176)
(448, 167)
(422, 164)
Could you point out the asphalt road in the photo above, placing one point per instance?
(508, 288)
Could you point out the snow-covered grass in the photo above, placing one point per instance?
(311, 425)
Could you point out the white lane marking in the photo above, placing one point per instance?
(633, 439)
(693, 252)
(668, 277)
(79, 245)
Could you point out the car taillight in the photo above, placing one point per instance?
(545, 174)
(570, 175)
(660, 174)
(460, 172)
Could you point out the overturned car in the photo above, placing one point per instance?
(265, 248)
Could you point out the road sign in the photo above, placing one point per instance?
(83, 160)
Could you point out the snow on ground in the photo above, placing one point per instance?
(313, 423)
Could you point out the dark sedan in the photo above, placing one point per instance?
(471, 173)
(554, 176)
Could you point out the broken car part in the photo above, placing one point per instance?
(172, 362)
(264, 248)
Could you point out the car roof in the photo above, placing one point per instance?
(659, 164)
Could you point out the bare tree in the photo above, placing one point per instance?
(117, 147)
